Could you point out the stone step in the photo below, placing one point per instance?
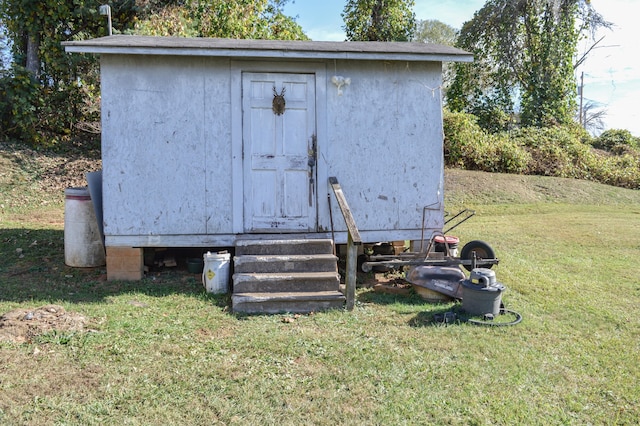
(284, 247)
(295, 302)
(292, 282)
(286, 263)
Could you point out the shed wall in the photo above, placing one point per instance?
(169, 161)
(385, 143)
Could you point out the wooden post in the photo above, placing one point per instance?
(353, 241)
(352, 271)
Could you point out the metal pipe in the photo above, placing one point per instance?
(105, 9)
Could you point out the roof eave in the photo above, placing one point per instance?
(267, 54)
(239, 48)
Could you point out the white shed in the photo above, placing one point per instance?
(208, 141)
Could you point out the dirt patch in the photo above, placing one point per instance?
(22, 325)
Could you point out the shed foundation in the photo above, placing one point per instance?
(125, 263)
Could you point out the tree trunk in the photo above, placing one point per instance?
(33, 54)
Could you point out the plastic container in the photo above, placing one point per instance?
(83, 247)
(195, 265)
(215, 274)
(94, 179)
(481, 293)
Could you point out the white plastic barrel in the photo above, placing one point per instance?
(215, 274)
(83, 246)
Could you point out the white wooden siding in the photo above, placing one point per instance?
(172, 147)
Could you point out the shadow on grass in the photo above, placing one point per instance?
(390, 299)
(435, 317)
(32, 268)
(430, 314)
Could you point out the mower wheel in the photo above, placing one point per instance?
(482, 250)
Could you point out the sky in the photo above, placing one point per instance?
(611, 72)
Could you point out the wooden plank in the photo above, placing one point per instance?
(346, 212)
(353, 240)
(352, 266)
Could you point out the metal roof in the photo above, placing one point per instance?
(243, 48)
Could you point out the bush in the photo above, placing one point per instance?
(20, 101)
(470, 147)
(43, 115)
(460, 131)
(564, 151)
(616, 141)
(550, 150)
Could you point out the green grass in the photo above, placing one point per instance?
(162, 351)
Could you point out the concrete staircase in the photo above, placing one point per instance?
(273, 276)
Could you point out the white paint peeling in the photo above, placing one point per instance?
(173, 148)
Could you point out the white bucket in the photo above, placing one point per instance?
(215, 274)
(83, 246)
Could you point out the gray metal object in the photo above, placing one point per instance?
(471, 261)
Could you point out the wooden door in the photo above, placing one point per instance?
(279, 149)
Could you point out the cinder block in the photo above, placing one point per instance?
(125, 263)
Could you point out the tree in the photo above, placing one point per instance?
(4, 49)
(379, 20)
(434, 31)
(593, 115)
(47, 93)
(46, 89)
(524, 52)
(257, 19)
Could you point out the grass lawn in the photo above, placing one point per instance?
(162, 351)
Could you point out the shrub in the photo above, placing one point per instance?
(513, 158)
(20, 102)
(43, 115)
(622, 171)
(616, 140)
(461, 130)
(548, 150)
(561, 151)
(470, 147)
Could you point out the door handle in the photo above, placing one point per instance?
(312, 152)
(311, 162)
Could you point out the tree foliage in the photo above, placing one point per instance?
(434, 31)
(616, 141)
(47, 93)
(4, 48)
(257, 19)
(44, 93)
(379, 20)
(524, 60)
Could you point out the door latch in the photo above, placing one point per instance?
(311, 162)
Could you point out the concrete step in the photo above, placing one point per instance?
(295, 302)
(284, 247)
(292, 282)
(286, 263)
